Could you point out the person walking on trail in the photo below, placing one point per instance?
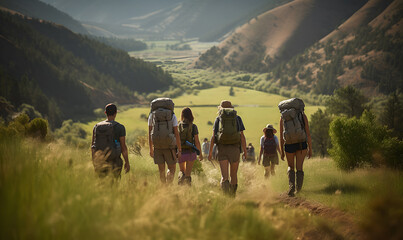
(108, 144)
(189, 136)
(295, 140)
(251, 153)
(269, 146)
(205, 148)
(163, 137)
(228, 134)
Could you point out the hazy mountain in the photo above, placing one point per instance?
(66, 75)
(40, 10)
(319, 45)
(208, 19)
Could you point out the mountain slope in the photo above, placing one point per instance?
(40, 10)
(207, 20)
(283, 32)
(65, 75)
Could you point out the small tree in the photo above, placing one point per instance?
(319, 128)
(231, 91)
(392, 116)
(348, 101)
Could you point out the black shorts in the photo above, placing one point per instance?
(292, 148)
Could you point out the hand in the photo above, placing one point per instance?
(152, 153)
(282, 156)
(127, 167)
(210, 156)
(309, 153)
(179, 155)
(245, 155)
(201, 157)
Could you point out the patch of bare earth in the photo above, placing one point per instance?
(343, 225)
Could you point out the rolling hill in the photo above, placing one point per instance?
(318, 46)
(207, 20)
(66, 75)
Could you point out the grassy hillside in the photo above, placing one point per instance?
(49, 191)
(63, 74)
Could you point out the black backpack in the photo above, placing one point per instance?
(269, 146)
(104, 141)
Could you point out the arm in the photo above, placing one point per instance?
(243, 145)
(150, 141)
(308, 135)
(125, 153)
(178, 142)
(198, 146)
(281, 139)
(210, 153)
(260, 155)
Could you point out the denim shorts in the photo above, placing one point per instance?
(292, 148)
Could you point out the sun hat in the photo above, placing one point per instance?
(269, 126)
(225, 104)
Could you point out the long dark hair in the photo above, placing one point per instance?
(268, 133)
(187, 115)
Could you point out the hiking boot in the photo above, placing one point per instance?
(232, 190)
(266, 172)
(291, 182)
(225, 186)
(181, 178)
(188, 180)
(300, 180)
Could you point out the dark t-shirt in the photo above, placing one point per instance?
(240, 125)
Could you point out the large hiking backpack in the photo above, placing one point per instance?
(269, 146)
(186, 134)
(294, 126)
(104, 141)
(162, 133)
(228, 129)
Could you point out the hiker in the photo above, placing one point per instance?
(295, 140)
(205, 148)
(251, 153)
(228, 134)
(189, 135)
(163, 137)
(269, 147)
(108, 143)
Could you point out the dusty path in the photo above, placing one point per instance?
(345, 227)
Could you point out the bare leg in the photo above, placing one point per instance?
(290, 159)
(171, 173)
(189, 166)
(300, 156)
(161, 169)
(234, 171)
(272, 169)
(182, 166)
(224, 170)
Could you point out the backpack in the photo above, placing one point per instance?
(294, 126)
(269, 146)
(186, 134)
(104, 141)
(162, 133)
(228, 129)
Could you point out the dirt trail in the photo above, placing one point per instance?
(344, 223)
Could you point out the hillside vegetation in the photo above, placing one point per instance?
(297, 53)
(63, 74)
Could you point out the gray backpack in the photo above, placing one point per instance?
(104, 141)
(294, 126)
(162, 133)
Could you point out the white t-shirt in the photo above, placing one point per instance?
(262, 140)
(174, 120)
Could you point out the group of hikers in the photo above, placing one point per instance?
(172, 141)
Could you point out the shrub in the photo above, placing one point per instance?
(358, 142)
(319, 128)
(38, 127)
